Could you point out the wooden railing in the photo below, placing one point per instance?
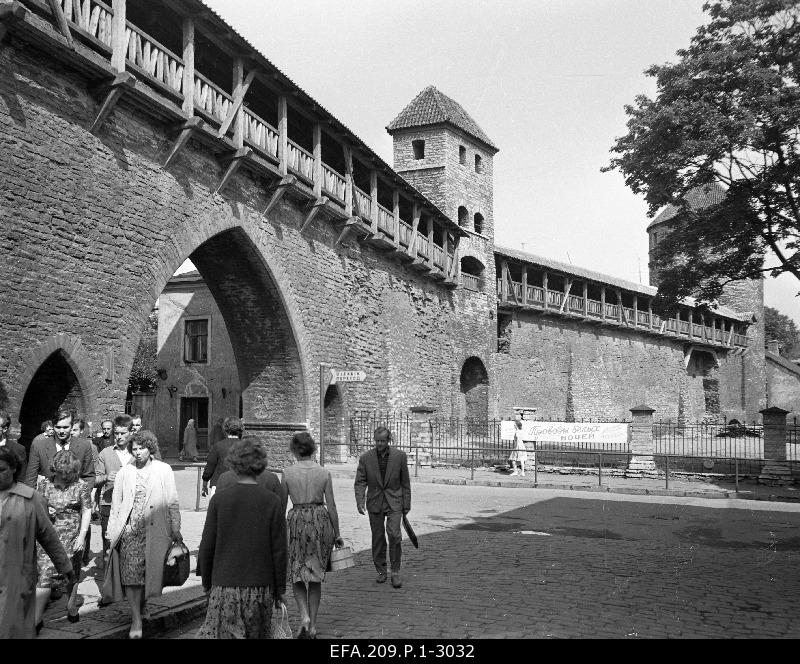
(210, 98)
(362, 204)
(438, 258)
(575, 304)
(260, 133)
(535, 294)
(594, 308)
(91, 16)
(405, 233)
(612, 311)
(422, 245)
(333, 183)
(643, 318)
(470, 281)
(385, 220)
(627, 314)
(154, 59)
(554, 298)
(299, 160)
(740, 340)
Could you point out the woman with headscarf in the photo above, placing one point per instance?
(189, 442)
(145, 520)
(69, 505)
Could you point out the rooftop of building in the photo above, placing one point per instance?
(433, 107)
(603, 279)
(697, 199)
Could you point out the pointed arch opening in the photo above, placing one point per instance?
(474, 394)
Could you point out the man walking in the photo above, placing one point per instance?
(44, 449)
(109, 461)
(215, 464)
(383, 474)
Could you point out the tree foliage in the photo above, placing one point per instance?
(779, 327)
(727, 112)
(144, 373)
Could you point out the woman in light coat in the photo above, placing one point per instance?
(189, 442)
(145, 519)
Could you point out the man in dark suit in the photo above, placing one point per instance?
(43, 450)
(383, 474)
(104, 438)
(5, 441)
(215, 464)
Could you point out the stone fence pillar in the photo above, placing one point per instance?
(641, 441)
(421, 434)
(776, 470)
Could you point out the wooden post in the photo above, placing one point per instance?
(318, 160)
(691, 323)
(283, 135)
(348, 191)
(635, 310)
(457, 260)
(373, 194)
(504, 280)
(119, 44)
(585, 299)
(430, 242)
(188, 66)
(524, 285)
(620, 312)
(544, 289)
(603, 302)
(238, 92)
(396, 212)
(414, 228)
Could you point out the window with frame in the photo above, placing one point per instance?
(478, 164)
(419, 148)
(195, 341)
(462, 154)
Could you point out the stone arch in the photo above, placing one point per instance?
(474, 389)
(55, 376)
(478, 223)
(472, 272)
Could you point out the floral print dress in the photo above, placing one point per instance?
(133, 545)
(65, 507)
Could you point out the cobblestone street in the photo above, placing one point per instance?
(499, 563)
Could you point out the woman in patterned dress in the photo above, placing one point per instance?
(145, 519)
(70, 508)
(313, 530)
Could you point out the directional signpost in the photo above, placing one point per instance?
(328, 376)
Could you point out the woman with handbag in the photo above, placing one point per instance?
(69, 505)
(242, 555)
(313, 529)
(145, 520)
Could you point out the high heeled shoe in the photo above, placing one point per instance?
(39, 626)
(73, 617)
(134, 633)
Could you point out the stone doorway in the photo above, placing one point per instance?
(474, 395)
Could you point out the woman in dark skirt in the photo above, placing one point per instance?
(313, 530)
(242, 555)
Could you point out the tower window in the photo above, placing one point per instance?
(478, 164)
(462, 154)
(463, 216)
(419, 148)
(478, 219)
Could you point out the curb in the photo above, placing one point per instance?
(166, 620)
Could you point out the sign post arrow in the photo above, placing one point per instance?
(339, 376)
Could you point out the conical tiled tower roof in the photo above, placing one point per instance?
(697, 199)
(431, 107)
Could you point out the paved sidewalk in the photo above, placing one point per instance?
(181, 605)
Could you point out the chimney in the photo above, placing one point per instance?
(774, 347)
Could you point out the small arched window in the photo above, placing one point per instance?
(462, 155)
(463, 216)
(478, 219)
(419, 148)
(478, 164)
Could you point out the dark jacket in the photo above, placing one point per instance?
(244, 540)
(44, 449)
(215, 464)
(267, 479)
(19, 450)
(393, 491)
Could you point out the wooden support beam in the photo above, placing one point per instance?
(650, 312)
(188, 66)
(456, 273)
(112, 92)
(282, 187)
(373, 194)
(544, 289)
(185, 130)
(396, 213)
(348, 178)
(603, 302)
(620, 312)
(430, 242)
(663, 327)
(585, 299)
(283, 135)
(348, 225)
(312, 210)
(61, 21)
(234, 161)
(10, 13)
(635, 310)
(567, 289)
(119, 39)
(318, 160)
(240, 88)
(524, 285)
(414, 227)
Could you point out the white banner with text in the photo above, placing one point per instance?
(606, 433)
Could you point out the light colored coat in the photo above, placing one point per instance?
(163, 517)
(24, 522)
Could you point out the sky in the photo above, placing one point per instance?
(547, 81)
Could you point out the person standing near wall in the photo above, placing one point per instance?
(189, 442)
(520, 453)
(232, 430)
(5, 441)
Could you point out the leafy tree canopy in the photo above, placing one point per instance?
(144, 373)
(727, 114)
(779, 327)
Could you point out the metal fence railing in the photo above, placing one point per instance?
(714, 441)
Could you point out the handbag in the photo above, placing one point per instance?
(279, 626)
(341, 558)
(176, 565)
(112, 581)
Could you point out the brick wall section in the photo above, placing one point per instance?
(119, 225)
